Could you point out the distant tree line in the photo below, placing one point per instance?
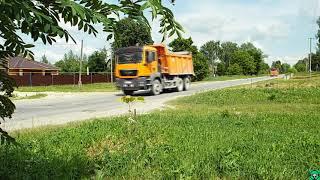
(223, 58)
(303, 64)
(283, 68)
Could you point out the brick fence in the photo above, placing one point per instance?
(37, 79)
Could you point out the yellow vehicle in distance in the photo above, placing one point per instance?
(153, 68)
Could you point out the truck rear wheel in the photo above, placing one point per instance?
(156, 87)
(179, 84)
(186, 83)
(128, 92)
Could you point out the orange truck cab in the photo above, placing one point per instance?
(152, 68)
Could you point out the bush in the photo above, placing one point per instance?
(292, 70)
(234, 69)
(221, 69)
(201, 67)
(300, 67)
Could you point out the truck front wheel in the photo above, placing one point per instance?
(156, 87)
(128, 92)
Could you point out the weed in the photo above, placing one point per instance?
(130, 100)
(225, 114)
(272, 97)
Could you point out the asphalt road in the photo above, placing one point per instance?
(61, 108)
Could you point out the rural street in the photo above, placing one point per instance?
(60, 108)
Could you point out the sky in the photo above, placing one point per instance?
(280, 28)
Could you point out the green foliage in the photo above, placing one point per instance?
(292, 70)
(277, 64)
(71, 63)
(264, 68)
(211, 50)
(227, 51)
(201, 66)
(256, 54)
(247, 56)
(225, 134)
(301, 66)
(129, 100)
(97, 61)
(234, 69)
(129, 32)
(245, 61)
(272, 97)
(285, 67)
(6, 106)
(44, 59)
(221, 69)
(315, 63)
(181, 44)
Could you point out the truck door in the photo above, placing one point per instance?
(151, 60)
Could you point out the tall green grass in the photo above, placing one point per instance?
(244, 133)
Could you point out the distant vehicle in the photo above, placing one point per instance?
(274, 72)
(152, 68)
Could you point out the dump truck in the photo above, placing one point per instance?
(153, 68)
(274, 72)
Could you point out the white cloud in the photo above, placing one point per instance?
(234, 22)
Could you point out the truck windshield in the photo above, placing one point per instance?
(129, 57)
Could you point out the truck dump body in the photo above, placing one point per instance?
(179, 63)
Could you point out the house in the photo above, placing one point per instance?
(3, 64)
(20, 66)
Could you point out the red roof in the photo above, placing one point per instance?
(23, 63)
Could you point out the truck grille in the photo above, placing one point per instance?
(128, 72)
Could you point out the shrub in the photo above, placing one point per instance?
(201, 67)
(234, 69)
(292, 70)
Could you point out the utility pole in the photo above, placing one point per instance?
(111, 65)
(310, 56)
(111, 69)
(212, 64)
(80, 70)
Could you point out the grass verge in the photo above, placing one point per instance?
(97, 87)
(36, 96)
(233, 77)
(239, 133)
